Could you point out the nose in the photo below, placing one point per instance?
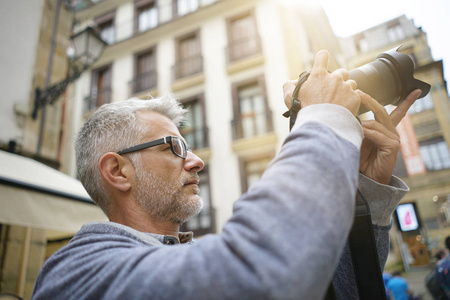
(193, 162)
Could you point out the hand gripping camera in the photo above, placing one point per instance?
(388, 79)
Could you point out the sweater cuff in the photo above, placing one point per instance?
(381, 198)
(336, 117)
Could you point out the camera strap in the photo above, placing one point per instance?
(361, 240)
(295, 102)
(363, 249)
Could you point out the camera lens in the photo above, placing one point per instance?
(388, 79)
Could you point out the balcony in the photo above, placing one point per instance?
(243, 48)
(252, 125)
(143, 82)
(187, 67)
(96, 99)
(187, 73)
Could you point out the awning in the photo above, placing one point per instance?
(35, 195)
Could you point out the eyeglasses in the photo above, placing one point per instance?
(178, 147)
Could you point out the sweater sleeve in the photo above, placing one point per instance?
(283, 241)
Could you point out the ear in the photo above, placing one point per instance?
(116, 171)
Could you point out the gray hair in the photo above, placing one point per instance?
(111, 128)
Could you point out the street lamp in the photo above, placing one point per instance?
(88, 48)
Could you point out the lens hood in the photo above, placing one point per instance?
(389, 78)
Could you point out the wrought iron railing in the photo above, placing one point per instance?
(242, 48)
(187, 67)
(143, 82)
(97, 98)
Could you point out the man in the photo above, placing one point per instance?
(438, 280)
(287, 233)
(398, 287)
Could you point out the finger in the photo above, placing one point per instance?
(288, 89)
(380, 140)
(321, 61)
(398, 113)
(378, 110)
(342, 72)
(377, 126)
(353, 84)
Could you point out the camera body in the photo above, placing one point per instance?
(389, 78)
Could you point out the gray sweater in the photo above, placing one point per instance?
(284, 240)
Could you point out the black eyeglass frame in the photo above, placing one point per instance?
(161, 141)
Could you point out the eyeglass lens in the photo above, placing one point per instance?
(178, 147)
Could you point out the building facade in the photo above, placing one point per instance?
(33, 57)
(424, 161)
(25, 65)
(226, 61)
(24, 58)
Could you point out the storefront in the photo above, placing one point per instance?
(37, 205)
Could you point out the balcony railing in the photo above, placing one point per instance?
(243, 48)
(187, 67)
(97, 98)
(196, 138)
(143, 82)
(251, 125)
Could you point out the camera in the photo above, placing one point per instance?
(389, 78)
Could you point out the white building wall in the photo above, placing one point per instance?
(275, 68)
(80, 90)
(124, 22)
(122, 74)
(223, 166)
(165, 10)
(165, 55)
(19, 41)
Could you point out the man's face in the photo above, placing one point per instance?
(166, 185)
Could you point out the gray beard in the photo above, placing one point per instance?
(164, 200)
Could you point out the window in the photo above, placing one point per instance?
(184, 7)
(435, 154)
(204, 222)
(395, 33)
(251, 114)
(105, 27)
(361, 43)
(426, 128)
(189, 59)
(252, 170)
(146, 15)
(100, 88)
(442, 208)
(425, 103)
(243, 38)
(145, 72)
(194, 130)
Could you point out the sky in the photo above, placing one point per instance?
(348, 17)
